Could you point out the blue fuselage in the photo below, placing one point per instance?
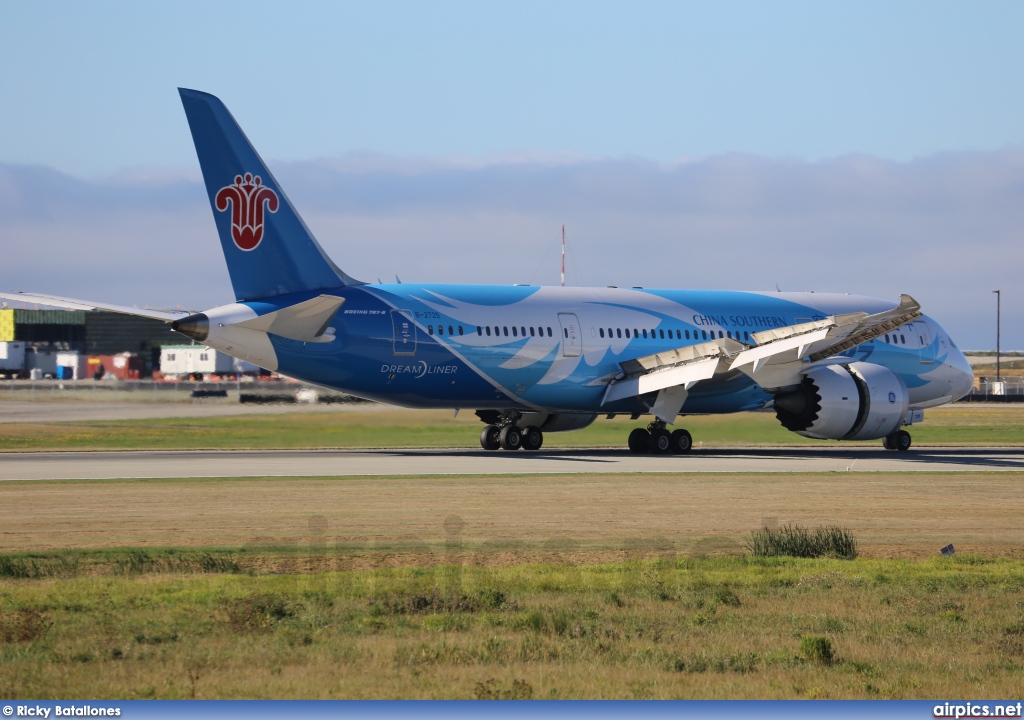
(555, 349)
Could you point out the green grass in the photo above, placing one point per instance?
(797, 541)
(647, 628)
(968, 425)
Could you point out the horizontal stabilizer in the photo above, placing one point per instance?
(306, 321)
(69, 304)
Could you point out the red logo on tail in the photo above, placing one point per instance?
(247, 198)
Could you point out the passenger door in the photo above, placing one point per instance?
(572, 339)
(924, 335)
(404, 332)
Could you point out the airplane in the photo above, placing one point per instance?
(531, 360)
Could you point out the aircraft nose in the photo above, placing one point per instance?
(962, 374)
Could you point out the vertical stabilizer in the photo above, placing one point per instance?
(268, 249)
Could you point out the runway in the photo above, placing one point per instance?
(415, 462)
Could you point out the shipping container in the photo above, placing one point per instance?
(182, 360)
(76, 363)
(12, 356)
(123, 366)
(45, 361)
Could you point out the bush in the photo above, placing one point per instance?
(258, 613)
(816, 649)
(35, 569)
(25, 625)
(797, 541)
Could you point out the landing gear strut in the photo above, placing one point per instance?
(899, 440)
(659, 441)
(507, 435)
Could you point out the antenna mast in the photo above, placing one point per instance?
(563, 255)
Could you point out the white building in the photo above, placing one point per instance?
(200, 360)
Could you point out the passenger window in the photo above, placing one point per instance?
(549, 331)
(488, 331)
(515, 332)
(729, 333)
(745, 336)
(460, 329)
(601, 331)
(719, 333)
(679, 334)
(887, 337)
(440, 329)
(704, 334)
(497, 331)
(430, 329)
(522, 331)
(531, 331)
(627, 332)
(618, 332)
(506, 331)
(903, 339)
(480, 331)
(687, 334)
(565, 331)
(645, 333)
(635, 333)
(450, 330)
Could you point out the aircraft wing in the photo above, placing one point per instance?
(68, 303)
(782, 354)
(671, 374)
(778, 360)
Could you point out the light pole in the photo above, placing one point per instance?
(999, 303)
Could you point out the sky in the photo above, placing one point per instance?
(872, 148)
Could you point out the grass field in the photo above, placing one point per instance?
(633, 586)
(567, 586)
(649, 627)
(997, 425)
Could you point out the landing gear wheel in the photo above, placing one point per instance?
(532, 438)
(889, 442)
(661, 442)
(510, 437)
(901, 439)
(489, 437)
(639, 441)
(681, 442)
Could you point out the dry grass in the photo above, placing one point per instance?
(591, 517)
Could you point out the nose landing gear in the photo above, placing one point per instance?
(659, 441)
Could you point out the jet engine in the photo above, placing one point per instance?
(859, 401)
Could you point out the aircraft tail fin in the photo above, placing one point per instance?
(268, 248)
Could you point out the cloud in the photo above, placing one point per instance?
(946, 228)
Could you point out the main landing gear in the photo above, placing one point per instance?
(657, 440)
(511, 437)
(899, 440)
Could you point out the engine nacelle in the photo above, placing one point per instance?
(859, 401)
